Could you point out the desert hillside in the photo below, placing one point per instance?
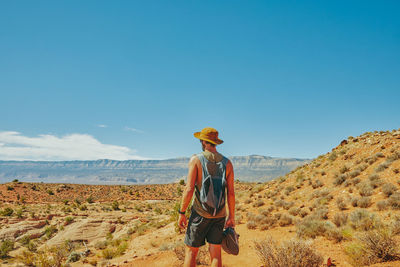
(343, 206)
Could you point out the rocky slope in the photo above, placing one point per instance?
(247, 168)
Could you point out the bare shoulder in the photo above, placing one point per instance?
(194, 160)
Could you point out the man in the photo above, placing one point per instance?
(210, 177)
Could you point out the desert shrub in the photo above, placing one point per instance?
(294, 211)
(317, 184)
(7, 212)
(354, 173)
(383, 166)
(258, 203)
(248, 201)
(282, 203)
(363, 220)
(388, 189)
(5, 247)
(289, 189)
(292, 253)
(382, 205)
(50, 192)
(90, 199)
(264, 212)
(251, 225)
(365, 190)
(339, 179)
(332, 156)
(10, 188)
(68, 220)
(285, 220)
(49, 231)
(395, 226)
(394, 201)
(334, 234)
(356, 181)
(340, 219)
(373, 247)
(311, 228)
(303, 213)
(395, 156)
(354, 201)
(344, 169)
(371, 160)
(364, 202)
(341, 203)
(362, 167)
(259, 218)
(320, 214)
(115, 205)
(268, 222)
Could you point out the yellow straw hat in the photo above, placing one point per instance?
(209, 134)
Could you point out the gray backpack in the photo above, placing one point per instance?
(212, 193)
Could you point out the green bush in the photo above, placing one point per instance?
(373, 247)
(7, 212)
(363, 220)
(115, 205)
(5, 247)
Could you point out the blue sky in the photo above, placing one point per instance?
(135, 79)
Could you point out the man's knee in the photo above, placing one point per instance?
(215, 250)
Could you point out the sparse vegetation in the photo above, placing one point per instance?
(292, 253)
(5, 247)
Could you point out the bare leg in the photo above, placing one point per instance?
(190, 256)
(215, 255)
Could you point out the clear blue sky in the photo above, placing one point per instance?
(277, 78)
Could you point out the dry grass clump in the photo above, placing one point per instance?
(394, 201)
(388, 189)
(258, 203)
(285, 220)
(382, 205)
(339, 179)
(294, 211)
(251, 224)
(340, 219)
(284, 204)
(341, 203)
(364, 202)
(363, 220)
(5, 247)
(292, 253)
(373, 247)
(317, 184)
(383, 166)
(365, 189)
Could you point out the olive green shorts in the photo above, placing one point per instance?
(200, 229)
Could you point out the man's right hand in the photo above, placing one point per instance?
(182, 221)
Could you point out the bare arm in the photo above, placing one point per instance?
(189, 189)
(231, 195)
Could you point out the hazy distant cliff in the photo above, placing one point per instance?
(247, 168)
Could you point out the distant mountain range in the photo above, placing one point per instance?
(247, 168)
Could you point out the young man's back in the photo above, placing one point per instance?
(210, 177)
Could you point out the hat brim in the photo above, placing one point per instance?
(215, 142)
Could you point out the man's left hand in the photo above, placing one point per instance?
(230, 222)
